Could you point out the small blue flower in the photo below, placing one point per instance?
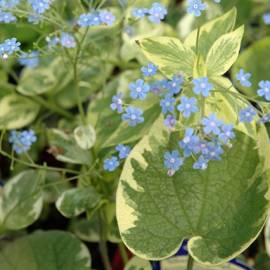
(264, 90)
(133, 116)
(22, 140)
(226, 133)
(170, 121)
(149, 70)
(196, 7)
(167, 104)
(188, 106)
(124, 150)
(139, 13)
(189, 142)
(201, 163)
(157, 12)
(106, 17)
(243, 78)
(111, 164)
(213, 151)
(139, 89)
(174, 86)
(67, 40)
(8, 47)
(202, 86)
(173, 161)
(40, 6)
(9, 3)
(117, 103)
(264, 119)
(7, 17)
(30, 60)
(158, 86)
(52, 41)
(211, 124)
(266, 18)
(247, 114)
(89, 19)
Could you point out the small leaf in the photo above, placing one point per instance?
(85, 136)
(21, 202)
(138, 264)
(75, 201)
(224, 52)
(169, 54)
(65, 148)
(49, 250)
(211, 31)
(17, 111)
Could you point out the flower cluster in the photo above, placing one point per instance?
(66, 40)
(8, 47)
(96, 18)
(196, 7)
(266, 18)
(40, 6)
(30, 60)
(7, 17)
(112, 163)
(22, 140)
(155, 14)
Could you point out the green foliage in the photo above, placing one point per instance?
(85, 136)
(54, 250)
(21, 200)
(138, 264)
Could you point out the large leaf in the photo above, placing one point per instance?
(75, 201)
(211, 31)
(52, 250)
(256, 60)
(169, 54)
(156, 212)
(17, 111)
(224, 52)
(21, 201)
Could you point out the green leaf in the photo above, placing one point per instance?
(211, 31)
(17, 111)
(224, 52)
(21, 201)
(85, 136)
(52, 250)
(138, 264)
(262, 261)
(156, 212)
(65, 149)
(256, 60)
(75, 201)
(169, 54)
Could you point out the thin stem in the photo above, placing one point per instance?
(190, 263)
(123, 253)
(197, 40)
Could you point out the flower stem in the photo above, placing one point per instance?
(190, 263)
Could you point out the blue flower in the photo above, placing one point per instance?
(211, 124)
(201, 163)
(157, 12)
(7, 17)
(189, 142)
(170, 121)
(149, 70)
(243, 78)
(8, 47)
(124, 150)
(157, 86)
(30, 60)
(266, 18)
(139, 89)
(117, 103)
(40, 6)
(52, 41)
(139, 13)
(264, 89)
(174, 86)
(202, 86)
(89, 19)
(173, 161)
(226, 133)
(247, 114)
(106, 17)
(213, 151)
(133, 116)
(167, 104)
(111, 164)
(9, 3)
(22, 140)
(67, 40)
(196, 7)
(187, 106)
(264, 119)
